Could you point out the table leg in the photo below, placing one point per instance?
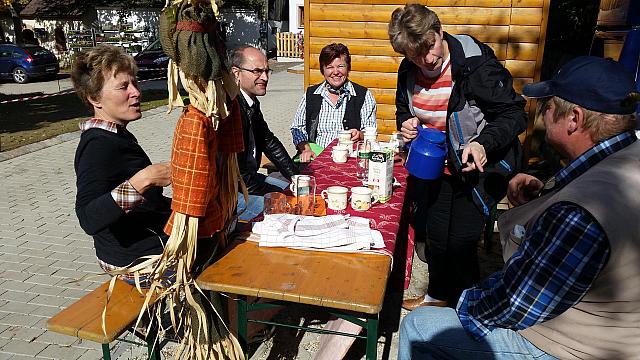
(372, 337)
(106, 352)
(242, 325)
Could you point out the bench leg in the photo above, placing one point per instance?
(153, 347)
(242, 325)
(372, 338)
(106, 352)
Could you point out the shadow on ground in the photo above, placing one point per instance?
(27, 122)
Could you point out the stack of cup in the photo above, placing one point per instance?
(344, 139)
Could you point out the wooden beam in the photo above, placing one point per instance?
(524, 34)
(520, 68)
(522, 51)
(382, 13)
(430, 3)
(375, 30)
(386, 64)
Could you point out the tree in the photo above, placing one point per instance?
(14, 7)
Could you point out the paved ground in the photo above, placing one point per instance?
(43, 251)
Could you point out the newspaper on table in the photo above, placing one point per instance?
(335, 232)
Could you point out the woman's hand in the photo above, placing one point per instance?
(150, 176)
(409, 129)
(523, 188)
(307, 155)
(473, 157)
(356, 134)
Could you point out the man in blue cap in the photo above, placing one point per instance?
(570, 285)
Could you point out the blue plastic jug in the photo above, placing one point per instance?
(426, 154)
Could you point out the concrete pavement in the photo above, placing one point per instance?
(43, 251)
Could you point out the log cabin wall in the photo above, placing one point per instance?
(515, 29)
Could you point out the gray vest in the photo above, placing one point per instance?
(605, 324)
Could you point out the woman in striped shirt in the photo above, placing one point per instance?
(455, 84)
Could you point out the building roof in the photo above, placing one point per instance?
(74, 9)
(53, 9)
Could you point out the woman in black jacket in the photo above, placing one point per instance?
(455, 84)
(119, 199)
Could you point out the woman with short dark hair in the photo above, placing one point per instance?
(119, 199)
(335, 104)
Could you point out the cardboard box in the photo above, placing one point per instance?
(381, 173)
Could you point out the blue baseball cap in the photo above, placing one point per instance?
(594, 83)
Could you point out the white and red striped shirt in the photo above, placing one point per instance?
(431, 97)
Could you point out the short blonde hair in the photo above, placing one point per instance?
(90, 69)
(412, 30)
(601, 126)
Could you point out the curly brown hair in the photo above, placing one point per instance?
(91, 68)
(412, 30)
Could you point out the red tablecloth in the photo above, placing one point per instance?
(390, 218)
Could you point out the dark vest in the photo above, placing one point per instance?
(351, 115)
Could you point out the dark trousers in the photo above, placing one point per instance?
(451, 224)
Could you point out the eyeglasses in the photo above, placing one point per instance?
(257, 71)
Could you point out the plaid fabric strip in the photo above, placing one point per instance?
(130, 278)
(194, 168)
(126, 196)
(330, 117)
(193, 165)
(98, 123)
(568, 249)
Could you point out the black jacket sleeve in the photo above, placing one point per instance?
(402, 100)
(491, 85)
(271, 146)
(95, 208)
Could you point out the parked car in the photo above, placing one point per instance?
(23, 62)
(152, 61)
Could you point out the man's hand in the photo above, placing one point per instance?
(409, 129)
(523, 188)
(356, 134)
(474, 157)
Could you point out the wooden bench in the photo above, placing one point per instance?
(83, 319)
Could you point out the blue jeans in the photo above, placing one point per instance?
(436, 333)
(256, 202)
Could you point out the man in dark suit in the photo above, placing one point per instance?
(251, 68)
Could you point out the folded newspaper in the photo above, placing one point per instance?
(336, 232)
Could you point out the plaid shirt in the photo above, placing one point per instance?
(194, 171)
(125, 195)
(330, 116)
(555, 266)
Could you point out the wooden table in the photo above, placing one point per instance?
(349, 285)
(354, 283)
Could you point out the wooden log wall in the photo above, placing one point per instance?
(515, 29)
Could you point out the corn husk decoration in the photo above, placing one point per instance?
(189, 35)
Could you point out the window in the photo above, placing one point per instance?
(5, 53)
(300, 17)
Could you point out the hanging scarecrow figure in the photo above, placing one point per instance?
(205, 180)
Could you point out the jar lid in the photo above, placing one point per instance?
(434, 136)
